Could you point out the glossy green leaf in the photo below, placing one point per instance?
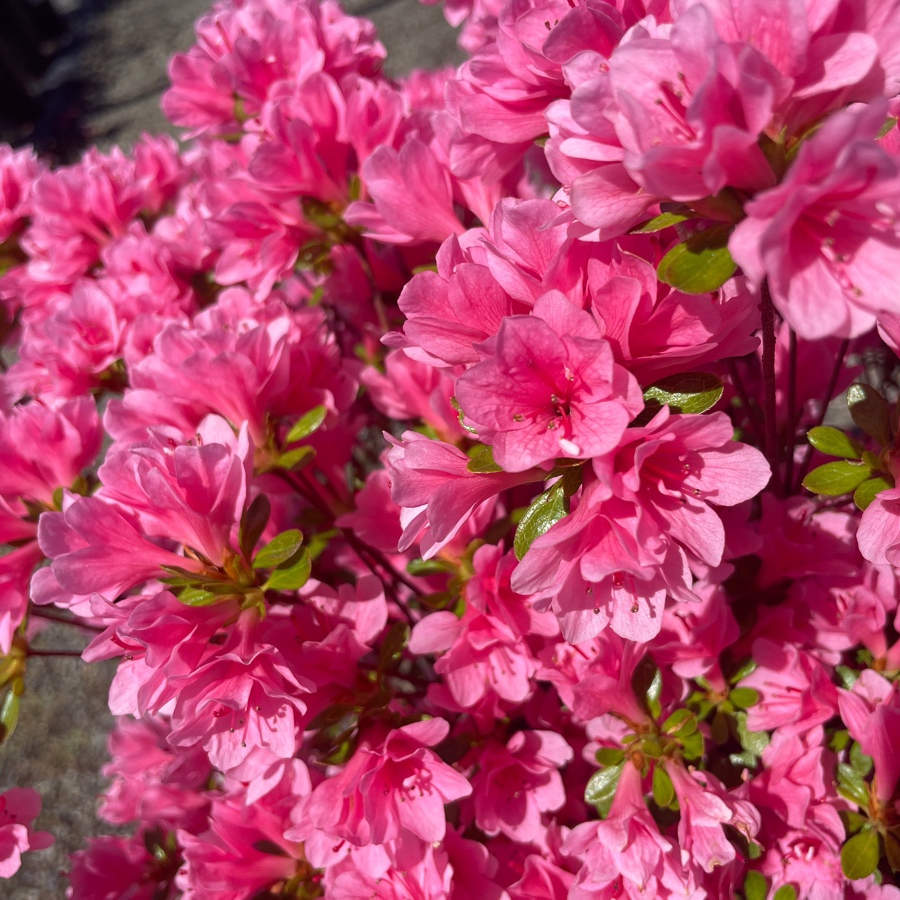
(610, 756)
(253, 522)
(870, 412)
(742, 671)
(646, 682)
(9, 714)
(755, 886)
(743, 697)
(481, 460)
(852, 785)
(392, 645)
(870, 489)
(601, 788)
(834, 442)
(677, 720)
(297, 457)
(699, 264)
(663, 790)
(194, 596)
(280, 549)
(663, 220)
(835, 478)
(307, 423)
(752, 741)
(785, 892)
(291, 577)
(543, 512)
(859, 855)
(859, 761)
(687, 392)
(692, 745)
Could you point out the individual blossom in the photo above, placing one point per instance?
(516, 783)
(18, 808)
(551, 389)
(826, 238)
(393, 785)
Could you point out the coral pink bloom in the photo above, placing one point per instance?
(879, 529)
(18, 171)
(16, 567)
(96, 548)
(18, 807)
(871, 712)
(601, 565)
(678, 469)
(113, 866)
(623, 854)
(432, 481)
(827, 237)
(515, 784)
(193, 492)
(704, 808)
(550, 390)
(795, 691)
(389, 788)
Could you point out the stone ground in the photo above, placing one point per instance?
(105, 90)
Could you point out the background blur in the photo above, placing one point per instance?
(75, 73)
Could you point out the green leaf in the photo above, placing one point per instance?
(755, 887)
(601, 788)
(891, 842)
(687, 392)
(544, 511)
(253, 522)
(752, 741)
(700, 264)
(742, 671)
(859, 855)
(834, 442)
(677, 719)
(194, 596)
(852, 786)
(646, 682)
(847, 675)
(663, 789)
(392, 645)
(692, 745)
(461, 416)
(785, 892)
(307, 423)
(296, 458)
(835, 478)
(664, 220)
(280, 549)
(430, 567)
(870, 412)
(9, 714)
(870, 489)
(840, 738)
(291, 577)
(860, 762)
(743, 697)
(481, 460)
(610, 756)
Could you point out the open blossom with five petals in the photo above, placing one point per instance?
(550, 389)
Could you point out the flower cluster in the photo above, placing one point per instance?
(444, 460)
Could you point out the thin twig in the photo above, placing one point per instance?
(34, 651)
(791, 435)
(752, 414)
(767, 321)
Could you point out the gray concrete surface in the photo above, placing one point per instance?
(59, 745)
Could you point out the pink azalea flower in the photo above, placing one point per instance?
(826, 238)
(515, 784)
(18, 808)
(871, 712)
(388, 789)
(551, 389)
(704, 808)
(795, 691)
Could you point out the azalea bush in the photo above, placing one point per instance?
(485, 480)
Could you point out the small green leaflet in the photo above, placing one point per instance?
(859, 855)
(601, 788)
(835, 478)
(280, 549)
(870, 489)
(544, 511)
(307, 423)
(688, 392)
(291, 577)
(869, 410)
(700, 264)
(834, 442)
(663, 220)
